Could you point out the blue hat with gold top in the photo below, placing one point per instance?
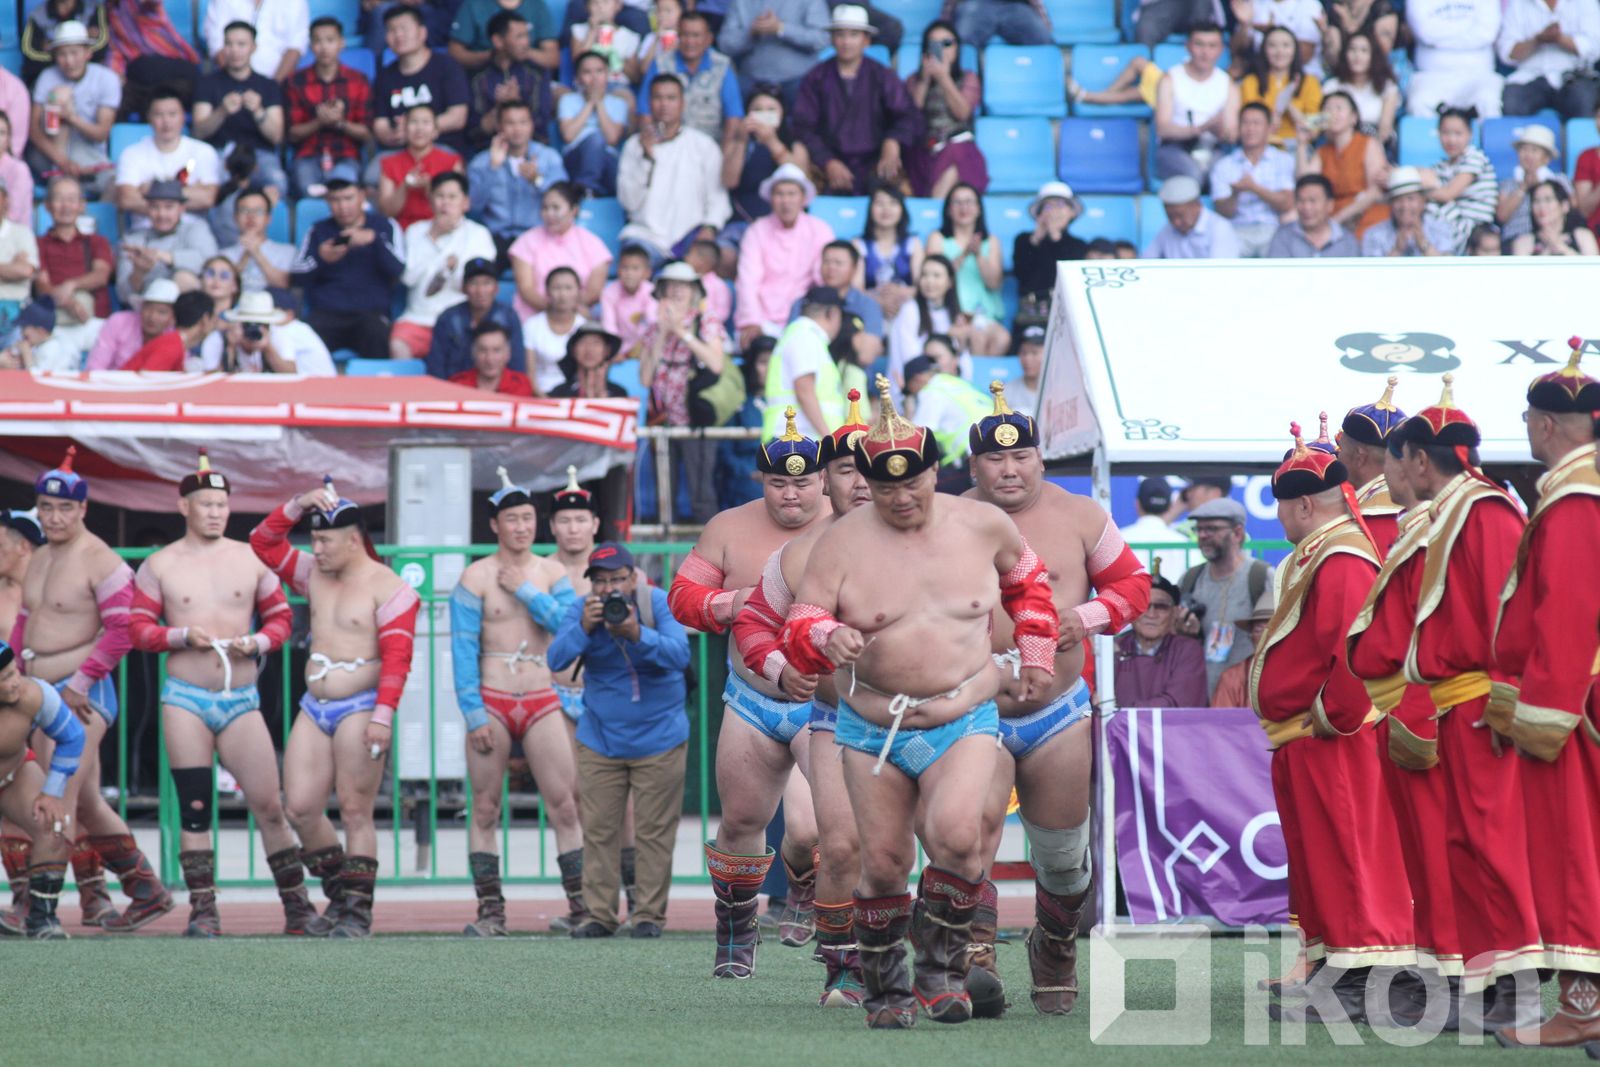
(509, 495)
(1323, 443)
(1371, 424)
(1003, 429)
(1567, 390)
(63, 483)
(793, 454)
(895, 449)
(344, 513)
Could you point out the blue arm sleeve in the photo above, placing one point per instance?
(59, 725)
(466, 625)
(569, 644)
(548, 609)
(667, 645)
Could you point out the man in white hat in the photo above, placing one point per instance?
(1036, 252)
(265, 335)
(1554, 45)
(779, 255)
(125, 332)
(1409, 230)
(1536, 151)
(75, 103)
(1193, 231)
(1253, 186)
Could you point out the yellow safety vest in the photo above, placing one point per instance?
(976, 406)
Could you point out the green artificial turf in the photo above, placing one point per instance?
(545, 1000)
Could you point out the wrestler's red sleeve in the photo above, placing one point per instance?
(144, 620)
(397, 628)
(276, 618)
(18, 636)
(270, 542)
(758, 627)
(697, 598)
(1025, 595)
(113, 596)
(804, 638)
(1121, 583)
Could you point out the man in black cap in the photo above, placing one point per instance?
(451, 350)
(802, 373)
(176, 245)
(1151, 503)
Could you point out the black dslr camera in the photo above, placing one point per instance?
(614, 609)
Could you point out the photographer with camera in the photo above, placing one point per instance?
(265, 336)
(632, 737)
(1223, 588)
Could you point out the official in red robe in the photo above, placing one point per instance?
(1362, 439)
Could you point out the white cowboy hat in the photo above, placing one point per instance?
(1051, 191)
(69, 32)
(789, 172)
(852, 17)
(255, 306)
(1536, 135)
(160, 291)
(1403, 180)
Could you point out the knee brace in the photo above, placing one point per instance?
(1060, 857)
(194, 798)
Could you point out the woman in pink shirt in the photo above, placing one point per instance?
(18, 178)
(559, 242)
(628, 305)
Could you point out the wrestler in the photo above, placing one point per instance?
(71, 632)
(1548, 632)
(19, 536)
(1047, 739)
(1474, 529)
(757, 631)
(917, 716)
(1345, 871)
(503, 614)
(208, 588)
(363, 621)
(1362, 439)
(763, 739)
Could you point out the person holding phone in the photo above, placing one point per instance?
(947, 153)
(348, 264)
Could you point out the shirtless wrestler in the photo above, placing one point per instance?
(917, 717)
(19, 536)
(209, 589)
(763, 738)
(363, 622)
(503, 614)
(1047, 739)
(71, 632)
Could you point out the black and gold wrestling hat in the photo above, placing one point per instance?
(1307, 470)
(1371, 424)
(1567, 390)
(792, 454)
(343, 514)
(1003, 428)
(203, 477)
(837, 444)
(509, 495)
(574, 497)
(894, 449)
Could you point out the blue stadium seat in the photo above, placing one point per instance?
(909, 59)
(1495, 135)
(1083, 21)
(926, 213)
(507, 293)
(342, 356)
(986, 369)
(625, 372)
(1023, 80)
(278, 224)
(103, 212)
(603, 216)
(307, 213)
(1401, 63)
(1095, 67)
(1017, 151)
(1582, 134)
(1111, 217)
(360, 59)
(1152, 217)
(11, 58)
(914, 15)
(1100, 155)
(1419, 140)
(348, 12)
(1007, 216)
(846, 214)
(124, 134)
(386, 368)
(1009, 297)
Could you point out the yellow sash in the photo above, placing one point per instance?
(1461, 689)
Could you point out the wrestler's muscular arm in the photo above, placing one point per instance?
(697, 597)
(1025, 596)
(813, 639)
(1121, 583)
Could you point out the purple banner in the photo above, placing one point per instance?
(1197, 828)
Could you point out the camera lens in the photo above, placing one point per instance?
(614, 609)
(253, 331)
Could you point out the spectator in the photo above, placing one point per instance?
(1198, 492)
(712, 101)
(219, 280)
(545, 334)
(39, 30)
(628, 305)
(1036, 252)
(1211, 594)
(1102, 248)
(704, 255)
(408, 175)
(1126, 250)
(1013, 21)
(1233, 687)
(1197, 108)
(1253, 185)
(79, 99)
(590, 350)
(265, 336)
(492, 345)
(948, 97)
(1409, 230)
(946, 403)
(37, 347)
(669, 179)
(418, 77)
(891, 255)
(512, 175)
(1156, 20)
(471, 37)
(1152, 503)
(680, 348)
(616, 44)
(738, 481)
(774, 40)
(1555, 229)
(1254, 19)
(151, 55)
(1279, 82)
(1156, 668)
(1484, 240)
(558, 242)
(1536, 151)
(593, 122)
(19, 263)
(1313, 234)
(965, 240)
(758, 145)
(1376, 20)
(263, 263)
(281, 30)
(18, 178)
(450, 352)
(330, 105)
(1554, 45)
(1023, 393)
(71, 261)
(852, 113)
(859, 342)
(1193, 231)
(192, 320)
(511, 76)
(662, 38)
(127, 331)
(239, 110)
(1461, 187)
(174, 246)
(936, 309)
(632, 739)
(802, 373)
(1454, 54)
(779, 255)
(347, 265)
(1362, 72)
(14, 100)
(1352, 162)
(437, 251)
(167, 155)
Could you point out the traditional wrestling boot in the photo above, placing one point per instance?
(571, 865)
(14, 853)
(1513, 1008)
(1331, 996)
(798, 923)
(44, 892)
(300, 918)
(1413, 995)
(630, 877)
(200, 876)
(327, 865)
(983, 984)
(1576, 1020)
(941, 929)
(150, 899)
(736, 881)
(90, 874)
(358, 878)
(1291, 980)
(836, 944)
(1053, 952)
(491, 921)
(881, 927)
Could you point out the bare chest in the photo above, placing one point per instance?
(1059, 545)
(893, 578)
(57, 584)
(194, 586)
(339, 606)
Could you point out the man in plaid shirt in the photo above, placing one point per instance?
(329, 111)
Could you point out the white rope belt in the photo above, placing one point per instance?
(900, 703)
(332, 664)
(521, 655)
(221, 649)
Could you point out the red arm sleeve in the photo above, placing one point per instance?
(144, 620)
(1025, 596)
(757, 628)
(113, 596)
(397, 628)
(270, 542)
(1121, 583)
(697, 598)
(275, 616)
(18, 635)
(1341, 588)
(805, 637)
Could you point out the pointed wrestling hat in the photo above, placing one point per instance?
(792, 454)
(894, 449)
(1003, 428)
(203, 477)
(1567, 390)
(63, 483)
(837, 445)
(1371, 424)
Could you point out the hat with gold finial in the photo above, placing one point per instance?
(203, 477)
(1158, 582)
(1567, 390)
(1324, 442)
(1371, 424)
(509, 495)
(1443, 423)
(1002, 428)
(573, 497)
(64, 483)
(894, 449)
(792, 454)
(1307, 470)
(837, 444)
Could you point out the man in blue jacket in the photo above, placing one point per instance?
(633, 736)
(349, 264)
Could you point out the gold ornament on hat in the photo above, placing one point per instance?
(795, 465)
(791, 430)
(1386, 401)
(853, 416)
(1447, 396)
(1005, 435)
(1322, 435)
(896, 466)
(505, 479)
(891, 426)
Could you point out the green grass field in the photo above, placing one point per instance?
(543, 1000)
